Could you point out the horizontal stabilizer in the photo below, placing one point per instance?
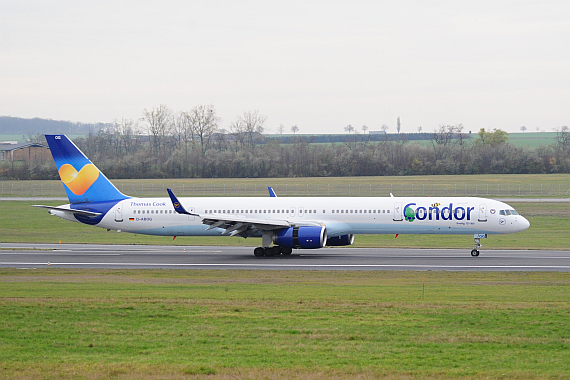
(88, 214)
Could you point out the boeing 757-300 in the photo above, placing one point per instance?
(282, 223)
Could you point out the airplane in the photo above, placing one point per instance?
(282, 223)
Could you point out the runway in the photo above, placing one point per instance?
(22, 255)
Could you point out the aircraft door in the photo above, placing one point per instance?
(397, 212)
(482, 213)
(119, 212)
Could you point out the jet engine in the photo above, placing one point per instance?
(338, 241)
(301, 237)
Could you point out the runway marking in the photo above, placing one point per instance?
(308, 265)
(454, 256)
(59, 254)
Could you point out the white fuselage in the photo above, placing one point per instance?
(340, 215)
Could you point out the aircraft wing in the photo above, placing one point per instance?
(233, 225)
(88, 214)
(241, 226)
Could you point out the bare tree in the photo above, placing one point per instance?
(563, 138)
(204, 123)
(349, 128)
(248, 128)
(364, 128)
(523, 128)
(294, 129)
(398, 124)
(385, 127)
(184, 131)
(125, 130)
(159, 125)
(420, 129)
(447, 133)
(281, 129)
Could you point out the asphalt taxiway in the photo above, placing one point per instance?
(23, 255)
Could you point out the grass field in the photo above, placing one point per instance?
(490, 185)
(146, 324)
(550, 223)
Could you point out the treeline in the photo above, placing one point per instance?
(226, 155)
(191, 145)
(30, 127)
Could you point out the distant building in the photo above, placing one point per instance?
(377, 132)
(9, 151)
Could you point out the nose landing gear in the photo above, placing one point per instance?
(475, 250)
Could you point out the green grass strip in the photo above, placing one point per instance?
(283, 324)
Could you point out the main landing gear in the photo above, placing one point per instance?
(272, 251)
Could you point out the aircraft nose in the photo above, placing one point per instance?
(523, 224)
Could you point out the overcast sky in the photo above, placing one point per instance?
(320, 65)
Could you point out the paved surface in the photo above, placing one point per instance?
(180, 257)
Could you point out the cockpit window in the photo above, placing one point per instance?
(513, 212)
(502, 212)
(508, 212)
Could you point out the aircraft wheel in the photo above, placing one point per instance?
(258, 252)
(286, 251)
(474, 253)
(270, 252)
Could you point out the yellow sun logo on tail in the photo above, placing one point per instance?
(78, 182)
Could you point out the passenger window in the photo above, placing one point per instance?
(324, 211)
(374, 211)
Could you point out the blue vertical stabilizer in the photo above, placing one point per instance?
(82, 180)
